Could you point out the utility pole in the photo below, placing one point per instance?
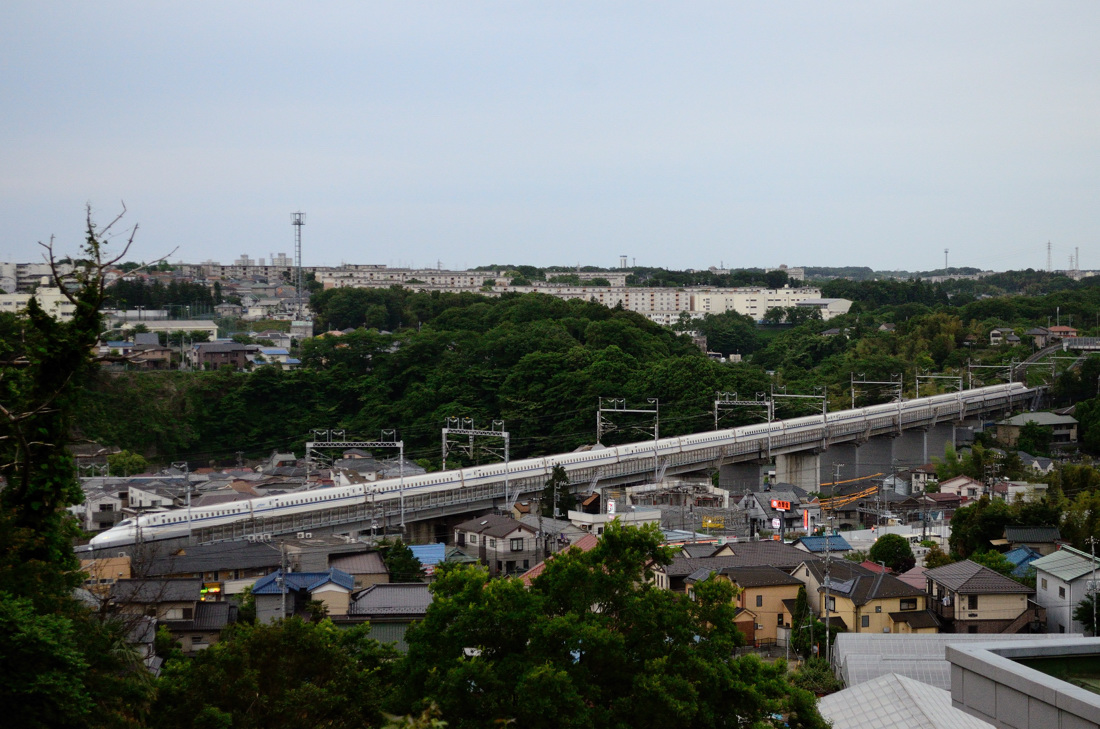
(828, 563)
(182, 466)
(1095, 591)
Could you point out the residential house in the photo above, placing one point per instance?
(557, 534)
(1022, 557)
(1040, 336)
(1001, 335)
(1038, 464)
(366, 568)
(430, 556)
(596, 523)
(921, 477)
(1061, 582)
(864, 601)
(584, 544)
(390, 609)
(939, 506)
(742, 554)
(507, 546)
(1064, 428)
(763, 515)
(962, 486)
(1021, 490)
(1062, 332)
(832, 543)
(1043, 539)
(103, 572)
(176, 604)
(761, 591)
(278, 596)
(212, 355)
(971, 598)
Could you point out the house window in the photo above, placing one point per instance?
(516, 544)
(830, 603)
(865, 621)
(779, 620)
(493, 543)
(1044, 583)
(1061, 592)
(971, 602)
(910, 604)
(878, 608)
(473, 539)
(759, 601)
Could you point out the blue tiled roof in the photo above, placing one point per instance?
(429, 554)
(1022, 557)
(307, 581)
(836, 542)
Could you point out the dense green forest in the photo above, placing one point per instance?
(540, 364)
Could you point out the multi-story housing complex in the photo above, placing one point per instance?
(753, 301)
(26, 276)
(52, 301)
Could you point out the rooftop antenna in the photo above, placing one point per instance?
(298, 219)
(945, 250)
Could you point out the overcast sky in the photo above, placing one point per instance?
(681, 134)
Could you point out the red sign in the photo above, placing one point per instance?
(781, 505)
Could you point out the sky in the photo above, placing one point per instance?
(458, 134)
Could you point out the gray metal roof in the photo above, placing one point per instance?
(493, 525)
(368, 563)
(1038, 419)
(1067, 564)
(893, 701)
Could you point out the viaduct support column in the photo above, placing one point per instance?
(801, 469)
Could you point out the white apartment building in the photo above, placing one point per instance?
(1062, 581)
(752, 301)
(25, 276)
(52, 301)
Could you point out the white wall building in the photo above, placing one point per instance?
(52, 301)
(751, 301)
(1061, 583)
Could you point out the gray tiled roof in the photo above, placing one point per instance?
(394, 599)
(860, 584)
(493, 525)
(745, 554)
(759, 576)
(154, 591)
(1032, 534)
(970, 578)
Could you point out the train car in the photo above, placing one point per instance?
(583, 465)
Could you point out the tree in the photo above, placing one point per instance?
(1035, 439)
(289, 674)
(65, 665)
(894, 550)
(592, 643)
(936, 557)
(1086, 612)
(125, 463)
(402, 564)
(994, 561)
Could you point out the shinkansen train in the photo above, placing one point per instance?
(582, 466)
